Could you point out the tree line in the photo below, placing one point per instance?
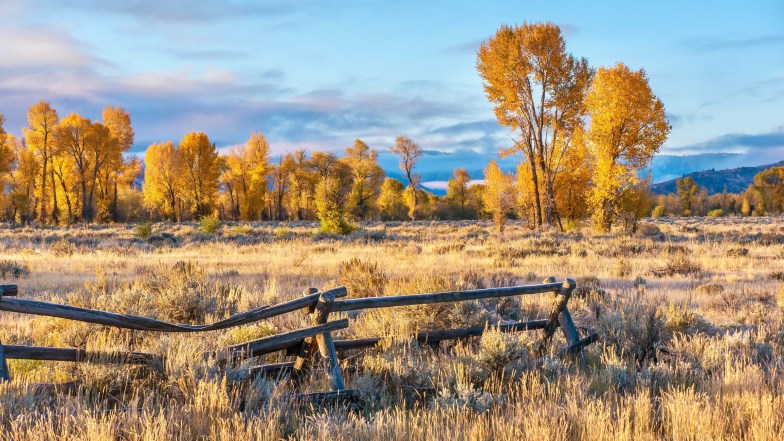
(582, 134)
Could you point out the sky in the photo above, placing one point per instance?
(318, 74)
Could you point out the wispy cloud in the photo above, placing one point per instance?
(762, 144)
(719, 43)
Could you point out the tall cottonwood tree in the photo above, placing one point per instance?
(457, 194)
(627, 127)
(118, 121)
(409, 152)
(537, 89)
(366, 178)
(160, 187)
(42, 120)
(199, 169)
(92, 149)
(245, 177)
(498, 195)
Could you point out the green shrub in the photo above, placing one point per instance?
(142, 230)
(209, 224)
(658, 211)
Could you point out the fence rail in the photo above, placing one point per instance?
(304, 343)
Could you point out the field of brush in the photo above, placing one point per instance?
(689, 312)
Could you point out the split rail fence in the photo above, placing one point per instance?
(302, 344)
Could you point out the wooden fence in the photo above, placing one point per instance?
(302, 344)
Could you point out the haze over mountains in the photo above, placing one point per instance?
(436, 168)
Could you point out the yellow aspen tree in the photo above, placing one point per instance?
(572, 189)
(245, 177)
(366, 179)
(409, 152)
(457, 195)
(118, 121)
(66, 190)
(42, 120)
(92, 148)
(199, 173)
(160, 187)
(537, 90)
(627, 127)
(390, 200)
(23, 182)
(498, 196)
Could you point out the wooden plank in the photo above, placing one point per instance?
(560, 304)
(128, 321)
(579, 345)
(270, 369)
(8, 290)
(5, 375)
(441, 297)
(319, 397)
(446, 334)
(281, 341)
(78, 355)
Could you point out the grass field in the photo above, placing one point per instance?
(689, 312)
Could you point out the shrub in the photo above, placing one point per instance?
(330, 196)
(710, 289)
(62, 248)
(209, 224)
(658, 211)
(678, 264)
(362, 279)
(633, 328)
(14, 270)
(716, 213)
(142, 230)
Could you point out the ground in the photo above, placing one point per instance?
(689, 313)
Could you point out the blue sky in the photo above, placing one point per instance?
(317, 74)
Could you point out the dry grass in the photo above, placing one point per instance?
(691, 314)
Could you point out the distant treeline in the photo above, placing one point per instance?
(583, 135)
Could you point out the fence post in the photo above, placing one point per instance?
(323, 342)
(4, 373)
(555, 318)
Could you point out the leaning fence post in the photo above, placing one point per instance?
(323, 342)
(553, 320)
(4, 373)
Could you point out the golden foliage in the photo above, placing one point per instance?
(628, 125)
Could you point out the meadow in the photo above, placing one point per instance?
(690, 313)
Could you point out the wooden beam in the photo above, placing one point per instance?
(446, 334)
(281, 341)
(78, 355)
(128, 321)
(327, 349)
(560, 304)
(441, 297)
(5, 375)
(8, 290)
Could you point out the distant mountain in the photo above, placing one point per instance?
(734, 180)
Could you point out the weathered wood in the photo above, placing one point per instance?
(567, 326)
(441, 297)
(579, 345)
(281, 341)
(5, 375)
(128, 321)
(560, 304)
(320, 314)
(8, 290)
(446, 334)
(327, 349)
(270, 369)
(319, 397)
(78, 355)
